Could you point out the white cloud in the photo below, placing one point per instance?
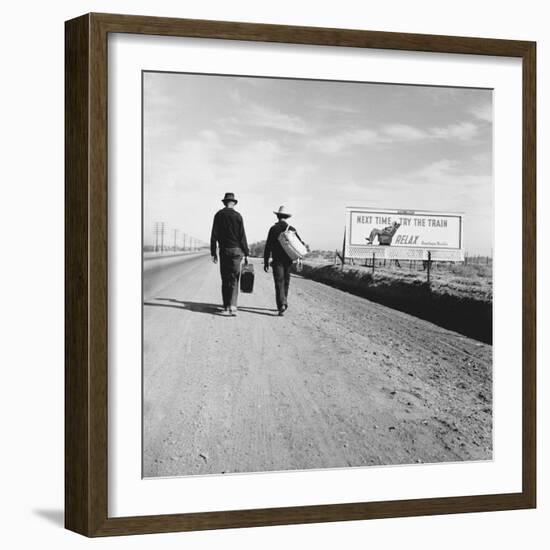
(257, 154)
(404, 132)
(255, 82)
(340, 142)
(210, 139)
(394, 133)
(263, 117)
(235, 95)
(234, 132)
(462, 131)
(442, 183)
(338, 108)
(483, 112)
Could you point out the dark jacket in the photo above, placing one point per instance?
(273, 246)
(228, 231)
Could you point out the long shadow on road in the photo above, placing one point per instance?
(201, 307)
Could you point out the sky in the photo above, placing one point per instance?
(315, 147)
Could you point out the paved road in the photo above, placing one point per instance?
(339, 381)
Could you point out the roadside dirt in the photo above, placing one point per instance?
(339, 381)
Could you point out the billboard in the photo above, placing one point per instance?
(403, 234)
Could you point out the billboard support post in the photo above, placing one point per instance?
(429, 265)
(343, 258)
(373, 259)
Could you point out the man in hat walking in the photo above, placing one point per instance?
(281, 263)
(228, 232)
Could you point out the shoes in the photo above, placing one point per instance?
(284, 307)
(225, 312)
(233, 311)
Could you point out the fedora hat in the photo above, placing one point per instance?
(230, 197)
(282, 212)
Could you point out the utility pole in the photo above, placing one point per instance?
(161, 237)
(159, 231)
(175, 239)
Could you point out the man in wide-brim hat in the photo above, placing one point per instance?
(280, 263)
(229, 235)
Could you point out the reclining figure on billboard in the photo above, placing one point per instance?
(385, 235)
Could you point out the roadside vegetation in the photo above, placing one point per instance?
(458, 297)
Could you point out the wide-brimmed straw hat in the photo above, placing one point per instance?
(282, 212)
(230, 197)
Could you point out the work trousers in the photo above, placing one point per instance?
(281, 278)
(230, 270)
(384, 238)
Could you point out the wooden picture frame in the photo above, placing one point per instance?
(86, 283)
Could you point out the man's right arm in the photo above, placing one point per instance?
(298, 236)
(267, 249)
(214, 238)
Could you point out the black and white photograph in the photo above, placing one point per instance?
(317, 274)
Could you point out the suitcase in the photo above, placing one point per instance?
(292, 245)
(247, 278)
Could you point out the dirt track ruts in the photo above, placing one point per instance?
(339, 381)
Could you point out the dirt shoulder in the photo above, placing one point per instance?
(458, 299)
